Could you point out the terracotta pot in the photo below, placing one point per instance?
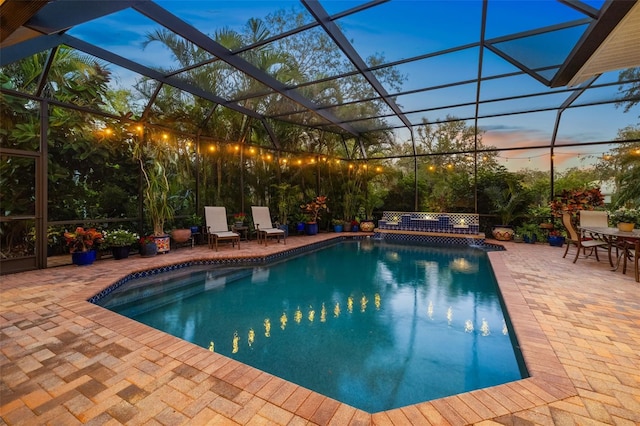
(181, 235)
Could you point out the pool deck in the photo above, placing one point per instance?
(65, 361)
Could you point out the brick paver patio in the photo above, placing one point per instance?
(65, 361)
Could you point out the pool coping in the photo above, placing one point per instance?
(547, 381)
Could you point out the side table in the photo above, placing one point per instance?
(242, 230)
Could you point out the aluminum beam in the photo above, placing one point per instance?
(153, 74)
(343, 43)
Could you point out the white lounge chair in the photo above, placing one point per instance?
(264, 226)
(217, 227)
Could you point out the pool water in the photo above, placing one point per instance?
(373, 325)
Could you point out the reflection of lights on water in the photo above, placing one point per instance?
(484, 328)
(252, 337)
(463, 265)
(468, 326)
(234, 349)
(393, 256)
(366, 245)
(267, 328)
(298, 315)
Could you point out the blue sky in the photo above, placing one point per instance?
(400, 29)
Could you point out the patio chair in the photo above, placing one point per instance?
(593, 219)
(575, 238)
(217, 227)
(264, 226)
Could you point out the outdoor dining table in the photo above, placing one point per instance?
(622, 240)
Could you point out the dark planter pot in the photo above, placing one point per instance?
(312, 228)
(300, 227)
(148, 250)
(556, 241)
(83, 258)
(347, 227)
(337, 228)
(355, 228)
(195, 229)
(120, 252)
(285, 228)
(530, 239)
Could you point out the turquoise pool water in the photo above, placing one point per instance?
(373, 325)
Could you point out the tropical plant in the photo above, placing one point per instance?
(155, 159)
(508, 202)
(82, 239)
(315, 207)
(572, 201)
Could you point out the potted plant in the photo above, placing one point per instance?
(82, 243)
(338, 225)
(239, 219)
(506, 204)
(313, 209)
(555, 238)
(300, 219)
(529, 232)
(148, 246)
(120, 241)
(287, 196)
(155, 161)
(625, 219)
(195, 222)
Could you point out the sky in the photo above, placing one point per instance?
(401, 29)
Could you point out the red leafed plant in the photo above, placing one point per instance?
(572, 201)
(82, 239)
(313, 208)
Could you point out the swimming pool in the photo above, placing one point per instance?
(374, 325)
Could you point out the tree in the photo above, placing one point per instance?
(622, 164)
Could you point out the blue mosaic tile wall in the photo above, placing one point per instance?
(450, 223)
